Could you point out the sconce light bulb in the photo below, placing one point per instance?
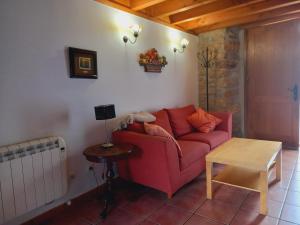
(136, 34)
(184, 43)
(135, 28)
(125, 39)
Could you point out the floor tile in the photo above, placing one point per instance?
(290, 153)
(196, 189)
(290, 156)
(148, 222)
(287, 172)
(274, 193)
(187, 202)
(282, 222)
(120, 217)
(158, 195)
(199, 220)
(252, 218)
(217, 210)
(296, 175)
(297, 167)
(283, 183)
(230, 205)
(291, 213)
(69, 221)
(144, 205)
(230, 195)
(252, 203)
(91, 211)
(169, 215)
(286, 165)
(293, 198)
(86, 213)
(277, 194)
(294, 185)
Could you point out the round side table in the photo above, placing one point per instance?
(98, 154)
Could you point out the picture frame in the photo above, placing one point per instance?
(83, 63)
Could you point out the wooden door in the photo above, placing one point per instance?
(272, 81)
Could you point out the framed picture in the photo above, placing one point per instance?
(83, 63)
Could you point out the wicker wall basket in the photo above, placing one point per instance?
(152, 61)
(153, 68)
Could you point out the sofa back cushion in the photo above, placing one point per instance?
(155, 130)
(178, 119)
(162, 119)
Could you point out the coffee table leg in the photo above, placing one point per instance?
(264, 192)
(209, 168)
(278, 165)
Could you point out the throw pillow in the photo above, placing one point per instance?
(203, 121)
(141, 117)
(178, 119)
(156, 130)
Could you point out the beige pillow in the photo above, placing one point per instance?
(141, 117)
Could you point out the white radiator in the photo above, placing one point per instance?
(32, 174)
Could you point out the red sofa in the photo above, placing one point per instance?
(159, 166)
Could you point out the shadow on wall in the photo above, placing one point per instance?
(96, 131)
(41, 120)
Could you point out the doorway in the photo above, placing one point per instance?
(272, 83)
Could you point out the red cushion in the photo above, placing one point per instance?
(178, 119)
(192, 152)
(162, 119)
(203, 121)
(213, 138)
(136, 127)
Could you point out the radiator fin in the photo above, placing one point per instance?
(32, 174)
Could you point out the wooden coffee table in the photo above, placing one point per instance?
(248, 162)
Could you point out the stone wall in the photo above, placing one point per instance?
(226, 77)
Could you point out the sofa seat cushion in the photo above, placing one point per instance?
(213, 138)
(192, 151)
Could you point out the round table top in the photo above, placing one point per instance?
(97, 153)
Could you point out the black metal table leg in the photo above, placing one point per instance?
(108, 194)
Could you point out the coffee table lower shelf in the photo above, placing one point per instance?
(240, 177)
(237, 177)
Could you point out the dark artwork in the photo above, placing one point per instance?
(83, 63)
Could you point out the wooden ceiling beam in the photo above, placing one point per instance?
(218, 6)
(237, 13)
(122, 2)
(175, 6)
(140, 14)
(281, 13)
(137, 5)
(280, 19)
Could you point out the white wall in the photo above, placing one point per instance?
(37, 98)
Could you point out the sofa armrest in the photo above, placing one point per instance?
(157, 165)
(226, 124)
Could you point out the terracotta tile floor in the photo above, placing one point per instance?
(189, 205)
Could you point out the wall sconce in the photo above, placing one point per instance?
(136, 30)
(184, 43)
